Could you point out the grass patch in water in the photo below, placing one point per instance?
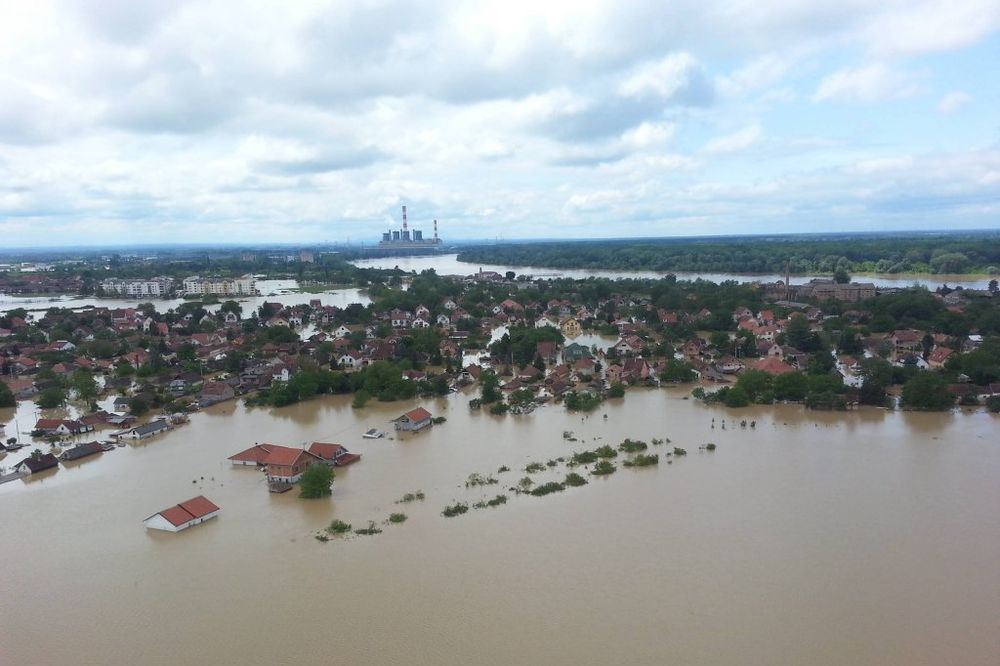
(370, 530)
(476, 479)
(603, 468)
(632, 446)
(574, 480)
(643, 460)
(411, 497)
(456, 509)
(495, 502)
(535, 467)
(339, 527)
(548, 488)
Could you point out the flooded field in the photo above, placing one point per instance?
(859, 538)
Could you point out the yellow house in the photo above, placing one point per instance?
(571, 328)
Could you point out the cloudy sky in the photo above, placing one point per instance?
(240, 121)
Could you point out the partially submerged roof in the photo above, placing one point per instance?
(192, 509)
(418, 414)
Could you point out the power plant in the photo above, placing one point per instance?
(404, 239)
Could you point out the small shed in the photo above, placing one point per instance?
(413, 420)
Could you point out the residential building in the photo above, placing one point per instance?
(241, 286)
(157, 287)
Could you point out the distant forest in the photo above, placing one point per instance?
(970, 253)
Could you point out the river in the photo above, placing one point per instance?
(271, 291)
(859, 538)
(448, 264)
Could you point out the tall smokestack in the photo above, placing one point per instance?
(404, 218)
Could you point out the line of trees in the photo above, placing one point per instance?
(970, 253)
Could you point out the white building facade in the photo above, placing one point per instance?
(157, 287)
(241, 286)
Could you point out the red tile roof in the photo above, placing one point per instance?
(196, 507)
(325, 450)
(199, 506)
(256, 453)
(283, 455)
(176, 515)
(418, 414)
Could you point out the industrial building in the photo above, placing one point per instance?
(407, 239)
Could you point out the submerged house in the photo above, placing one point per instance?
(333, 454)
(182, 516)
(35, 464)
(147, 429)
(285, 464)
(81, 451)
(413, 420)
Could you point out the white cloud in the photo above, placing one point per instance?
(648, 134)
(868, 83)
(758, 74)
(315, 120)
(913, 27)
(736, 142)
(953, 101)
(677, 77)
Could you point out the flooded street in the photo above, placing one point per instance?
(816, 538)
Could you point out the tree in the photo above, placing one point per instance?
(84, 384)
(798, 334)
(52, 397)
(677, 372)
(719, 340)
(841, 276)
(616, 390)
(927, 391)
(316, 481)
(490, 387)
(231, 306)
(791, 386)
(7, 398)
(756, 385)
(137, 406)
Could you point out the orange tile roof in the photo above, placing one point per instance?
(283, 455)
(199, 506)
(256, 453)
(418, 414)
(326, 450)
(176, 515)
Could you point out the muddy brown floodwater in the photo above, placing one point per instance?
(859, 538)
